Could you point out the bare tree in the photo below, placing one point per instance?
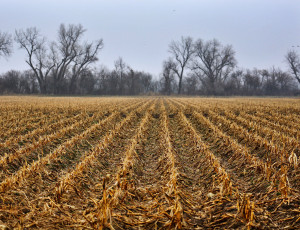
(120, 69)
(69, 54)
(285, 81)
(86, 56)
(233, 85)
(37, 56)
(293, 61)
(5, 44)
(64, 51)
(212, 63)
(182, 52)
(253, 82)
(167, 76)
(190, 84)
(131, 81)
(145, 82)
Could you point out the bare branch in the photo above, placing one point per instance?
(5, 44)
(213, 62)
(37, 58)
(293, 61)
(182, 51)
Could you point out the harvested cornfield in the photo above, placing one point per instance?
(149, 163)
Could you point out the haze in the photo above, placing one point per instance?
(261, 32)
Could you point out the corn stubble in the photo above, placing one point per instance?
(159, 163)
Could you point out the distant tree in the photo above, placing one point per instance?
(29, 76)
(120, 70)
(277, 82)
(18, 82)
(81, 63)
(252, 82)
(145, 83)
(37, 56)
(112, 83)
(87, 83)
(11, 81)
(102, 76)
(270, 86)
(66, 56)
(234, 83)
(293, 61)
(131, 81)
(213, 64)
(285, 82)
(191, 85)
(168, 75)
(68, 53)
(182, 52)
(5, 44)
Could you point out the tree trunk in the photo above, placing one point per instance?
(42, 85)
(72, 86)
(179, 85)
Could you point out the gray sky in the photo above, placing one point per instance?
(260, 31)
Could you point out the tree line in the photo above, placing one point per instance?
(67, 66)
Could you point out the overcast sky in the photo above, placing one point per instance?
(260, 31)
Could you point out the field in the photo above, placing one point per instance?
(149, 163)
